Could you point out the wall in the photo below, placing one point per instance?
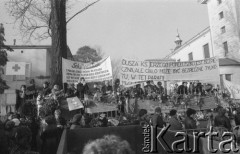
(234, 70)
(196, 47)
(40, 65)
(231, 23)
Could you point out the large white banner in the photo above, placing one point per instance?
(233, 88)
(72, 71)
(206, 70)
(15, 68)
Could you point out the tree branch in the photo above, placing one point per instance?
(82, 10)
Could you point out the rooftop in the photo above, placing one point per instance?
(203, 32)
(228, 62)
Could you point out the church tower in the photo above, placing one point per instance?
(178, 42)
(224, 19)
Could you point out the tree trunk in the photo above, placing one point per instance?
(59, 39)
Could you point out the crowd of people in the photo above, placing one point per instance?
(27, 130)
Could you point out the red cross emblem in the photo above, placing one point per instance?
(16, 67)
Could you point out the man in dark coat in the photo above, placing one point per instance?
(157, 119)
(183, 90)
(221, 120)
(82, 89)
(189, 122)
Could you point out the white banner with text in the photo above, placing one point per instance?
(133, 72)
(72, 71)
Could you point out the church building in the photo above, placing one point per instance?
(221, 39)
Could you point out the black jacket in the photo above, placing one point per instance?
(81, 90)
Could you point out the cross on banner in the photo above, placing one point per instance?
(16, 67)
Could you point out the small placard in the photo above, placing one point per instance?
(74, 103)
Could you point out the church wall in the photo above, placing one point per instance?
(196, 47)
(234, 70)
(230, 20)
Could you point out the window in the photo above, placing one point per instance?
(223, 30)
(206, 51)
(225, 46)
(221, 15)
(190, 56)
(228, 77)
(221, 81)
(219, 1)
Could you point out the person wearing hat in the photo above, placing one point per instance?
(174, 122)
(189, 122)
(157, 119)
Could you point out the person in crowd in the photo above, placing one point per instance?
(182, 89)
(50, 136)
(175, 89)
(190, 122)
(237, 117)
(96, 92)
(160, 89)
(116, 85)
(46, 89)
(174, 122)
(142, 118)
(109, 144)
(157, 119)
(82, 89)
(71, 91)
(31, 89)
(103, 120)
(60, 121)
(221, 120)
(197, 90)
(106, 89)
(21, 98)
(149, 89)
(22, 144)
(3, 141)
(77, 121)
(190, 88)
(56, 91)
(138, 92)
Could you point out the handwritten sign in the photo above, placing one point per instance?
(74, 103)
(233, 88)
(73, 71)
(132, 71)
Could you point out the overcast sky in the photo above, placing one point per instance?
(139, 29)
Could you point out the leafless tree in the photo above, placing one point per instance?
(33, 15)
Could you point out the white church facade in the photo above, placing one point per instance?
(221, 39)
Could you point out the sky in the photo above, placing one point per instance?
(133, 29)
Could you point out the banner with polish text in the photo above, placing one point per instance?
(133, 72)
(233, 88)
(72, 71)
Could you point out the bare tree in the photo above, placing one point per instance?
(33, 15)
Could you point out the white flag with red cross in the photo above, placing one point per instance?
(15, 68)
